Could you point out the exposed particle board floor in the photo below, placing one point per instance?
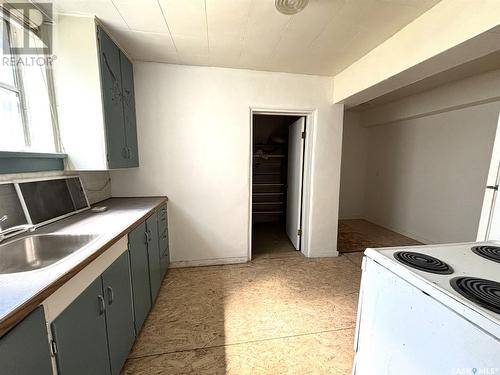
(357, 234)
(274, 315)
(270, 240)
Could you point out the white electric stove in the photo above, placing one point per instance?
(429, 310)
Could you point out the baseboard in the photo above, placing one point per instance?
(208, 262)
(329, 254)
(357, 217)
(322, 254)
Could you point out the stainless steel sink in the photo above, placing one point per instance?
(39, 251)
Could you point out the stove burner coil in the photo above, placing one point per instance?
(488, 252)
(423, 262)
(485, 293)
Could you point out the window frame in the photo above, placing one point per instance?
(18, 89)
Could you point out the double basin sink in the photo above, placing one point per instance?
(39, 251)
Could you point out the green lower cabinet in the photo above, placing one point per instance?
(163, 240)
(164, 254)
(95, 333)
(80, 335)
(153, 255)
(139, 264)
(119, 311)
(24, 350)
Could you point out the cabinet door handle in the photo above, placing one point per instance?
(148, 236)
(124, 153)
(111, 295)
(129, 153)
(102, 305)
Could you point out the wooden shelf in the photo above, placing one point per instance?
(271, 145)
(266, 184)
(269, 203)
(269, 181)
(268, 193)
(269, 156)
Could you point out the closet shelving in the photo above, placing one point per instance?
(269, 181)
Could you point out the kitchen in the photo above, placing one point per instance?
(139, 145)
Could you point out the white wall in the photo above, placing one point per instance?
(354, 164)
(425, 176)
(194, 146)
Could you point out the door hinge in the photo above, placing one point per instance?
(303, 135)
(299, 232)
(53, 347)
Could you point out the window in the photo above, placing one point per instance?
(27, 113)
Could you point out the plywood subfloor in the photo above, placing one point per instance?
(270, 240)
(274, 315)
(356, 235)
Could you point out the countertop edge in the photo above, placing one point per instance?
(16, 315)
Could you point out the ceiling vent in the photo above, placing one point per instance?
(290, 7)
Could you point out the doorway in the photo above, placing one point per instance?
(489, 222)
(278, 144)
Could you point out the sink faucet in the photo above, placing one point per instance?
(12, 231)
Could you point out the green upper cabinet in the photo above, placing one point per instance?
(129, 110)
(111, 85)
(117, 82)
(94, 89)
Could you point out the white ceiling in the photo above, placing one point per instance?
(325, 38)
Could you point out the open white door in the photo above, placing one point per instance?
(294, 184)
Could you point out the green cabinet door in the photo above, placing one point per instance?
(153, 255)
(116, 285)
(111, 86)
(127, 71)
(80, 335)
(24, 350)
(163, 239)
(139, 265)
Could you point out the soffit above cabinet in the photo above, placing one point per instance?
(323, 39)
